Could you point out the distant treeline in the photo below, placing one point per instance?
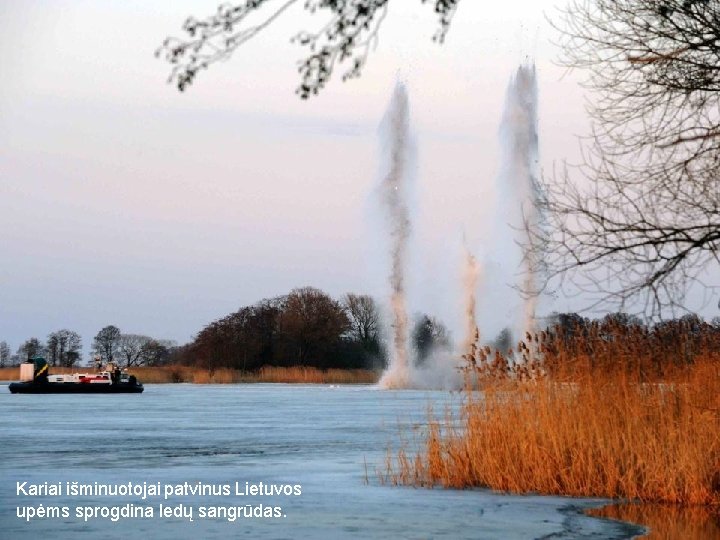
(623, 342)
(63, 348)
(306, 327)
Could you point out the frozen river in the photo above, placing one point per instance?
(320, 438)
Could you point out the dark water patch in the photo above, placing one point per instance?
(577, 525)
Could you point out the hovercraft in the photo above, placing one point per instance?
(35, 379)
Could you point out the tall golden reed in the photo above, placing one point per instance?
(562, 421)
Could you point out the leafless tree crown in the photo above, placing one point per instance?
(349, 34)
(638, 221)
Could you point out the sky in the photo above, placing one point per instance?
(125, 202)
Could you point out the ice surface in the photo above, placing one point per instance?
(317, 436)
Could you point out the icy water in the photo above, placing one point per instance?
(328, 440)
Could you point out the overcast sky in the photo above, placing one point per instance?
(124, 202)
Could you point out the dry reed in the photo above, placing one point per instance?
(311, 375)
(560, 421)
(267, 374)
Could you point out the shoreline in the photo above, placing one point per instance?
(661, 520)
(195, 375)
(631, 520)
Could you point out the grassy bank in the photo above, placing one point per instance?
(579, 424)
(268, 374)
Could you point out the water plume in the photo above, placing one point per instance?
(515, 212)
(519, 142)
(471, 275)
(395, 135)
(441, 370)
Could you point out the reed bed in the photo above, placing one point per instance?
(267, 374)
(554, 419)
(311, 375)
(186, 374)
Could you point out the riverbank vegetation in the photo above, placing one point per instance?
(303, 329)
(306, 327)
(267, 374)
(607, 408)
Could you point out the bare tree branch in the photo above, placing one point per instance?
(347, 37)
(638, 221)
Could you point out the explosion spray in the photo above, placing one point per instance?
(471, 274)
(395, 132)
(519, 137)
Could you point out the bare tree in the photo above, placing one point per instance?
(638, 221)
(313, 323)
(52, 348)
(30, 349)
(156, 352)
(347, 36)
(246, 339)
(133, 349)
(67, 347)
(364, 317)
(63, 348)
(429, 334)
(105, 343)
(4, 354)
